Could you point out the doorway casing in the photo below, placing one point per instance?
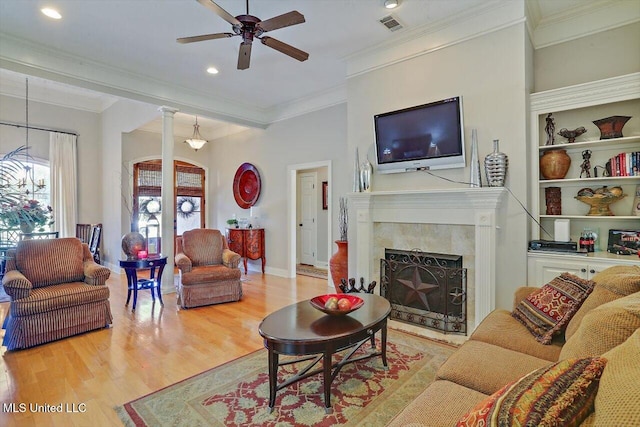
(292, 171)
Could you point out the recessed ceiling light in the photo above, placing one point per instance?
(51, 13)
(391, 4)
(212, 70)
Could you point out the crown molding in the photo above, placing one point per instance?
(581, 21)
(308, 104)
(30, 58)
(610, 90)
(478, 21)
(52, 93)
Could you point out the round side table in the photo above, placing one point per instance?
(155, 265)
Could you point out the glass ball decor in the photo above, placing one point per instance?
(132, 243)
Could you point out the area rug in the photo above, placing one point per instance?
(309, 270)
(237, 393)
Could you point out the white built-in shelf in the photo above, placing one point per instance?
(585, 181)
(594, 217)
(628, 142)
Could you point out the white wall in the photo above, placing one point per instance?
(86, 124)
(490, 74)
(122, 117)
(314, 137)
(607, 54)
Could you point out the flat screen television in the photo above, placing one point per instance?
(429, 136)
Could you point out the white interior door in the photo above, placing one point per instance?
(307, 226)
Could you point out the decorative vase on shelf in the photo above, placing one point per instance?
(495, 166)
(365, 176)
(611, 127)
(339, 264)
(554, 164)
(475, 179)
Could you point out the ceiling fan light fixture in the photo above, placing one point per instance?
(196, 141)
(391, 4)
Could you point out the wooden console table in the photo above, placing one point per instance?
(248, 243)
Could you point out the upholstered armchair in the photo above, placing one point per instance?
(56, 291)
(209, 272)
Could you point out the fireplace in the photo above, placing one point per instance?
(465, 221)
(425, 289)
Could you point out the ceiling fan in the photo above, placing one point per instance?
(250, 27)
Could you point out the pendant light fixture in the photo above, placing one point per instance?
(196, 141)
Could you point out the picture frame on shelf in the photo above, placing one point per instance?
(624, 242)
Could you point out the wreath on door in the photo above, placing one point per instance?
(187, 206)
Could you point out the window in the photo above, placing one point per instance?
(42, 176)
(147, 196)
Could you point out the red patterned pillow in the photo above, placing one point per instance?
(560, 395)
(547, 311)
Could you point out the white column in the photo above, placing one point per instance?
(362, 251)
(168, 197)
(485, 280)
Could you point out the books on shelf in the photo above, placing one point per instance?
(624, 164)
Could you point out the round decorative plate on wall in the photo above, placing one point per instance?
(246, 185)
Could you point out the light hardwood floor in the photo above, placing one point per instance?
(142, 352)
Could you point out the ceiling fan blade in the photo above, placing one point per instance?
(284, 20)
(244, 56)
(209, 4)
(204, 37)
(285, 48)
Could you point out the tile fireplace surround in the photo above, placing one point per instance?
(464, 221)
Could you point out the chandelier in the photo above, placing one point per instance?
(196, 141)
(29, 178)
(12, 182)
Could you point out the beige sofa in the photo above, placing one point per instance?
(502, 350)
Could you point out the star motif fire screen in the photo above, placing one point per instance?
(426, 289)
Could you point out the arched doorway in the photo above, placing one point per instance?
(189, 204)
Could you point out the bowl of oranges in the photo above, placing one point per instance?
(337, 304)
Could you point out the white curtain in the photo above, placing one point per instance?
(64, 199)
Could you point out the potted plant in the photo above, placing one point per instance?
(233, 223)
(339, 261)
(28, 215)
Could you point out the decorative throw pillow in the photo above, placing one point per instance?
(560, 395)
(546, 311)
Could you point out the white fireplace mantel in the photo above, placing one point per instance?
(478, 207)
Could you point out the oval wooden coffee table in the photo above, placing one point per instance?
(301, 330)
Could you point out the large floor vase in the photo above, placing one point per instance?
(339, 264)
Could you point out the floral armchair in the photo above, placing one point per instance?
(56, 291)
(209, 272)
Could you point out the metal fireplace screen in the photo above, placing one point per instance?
(426, 289)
